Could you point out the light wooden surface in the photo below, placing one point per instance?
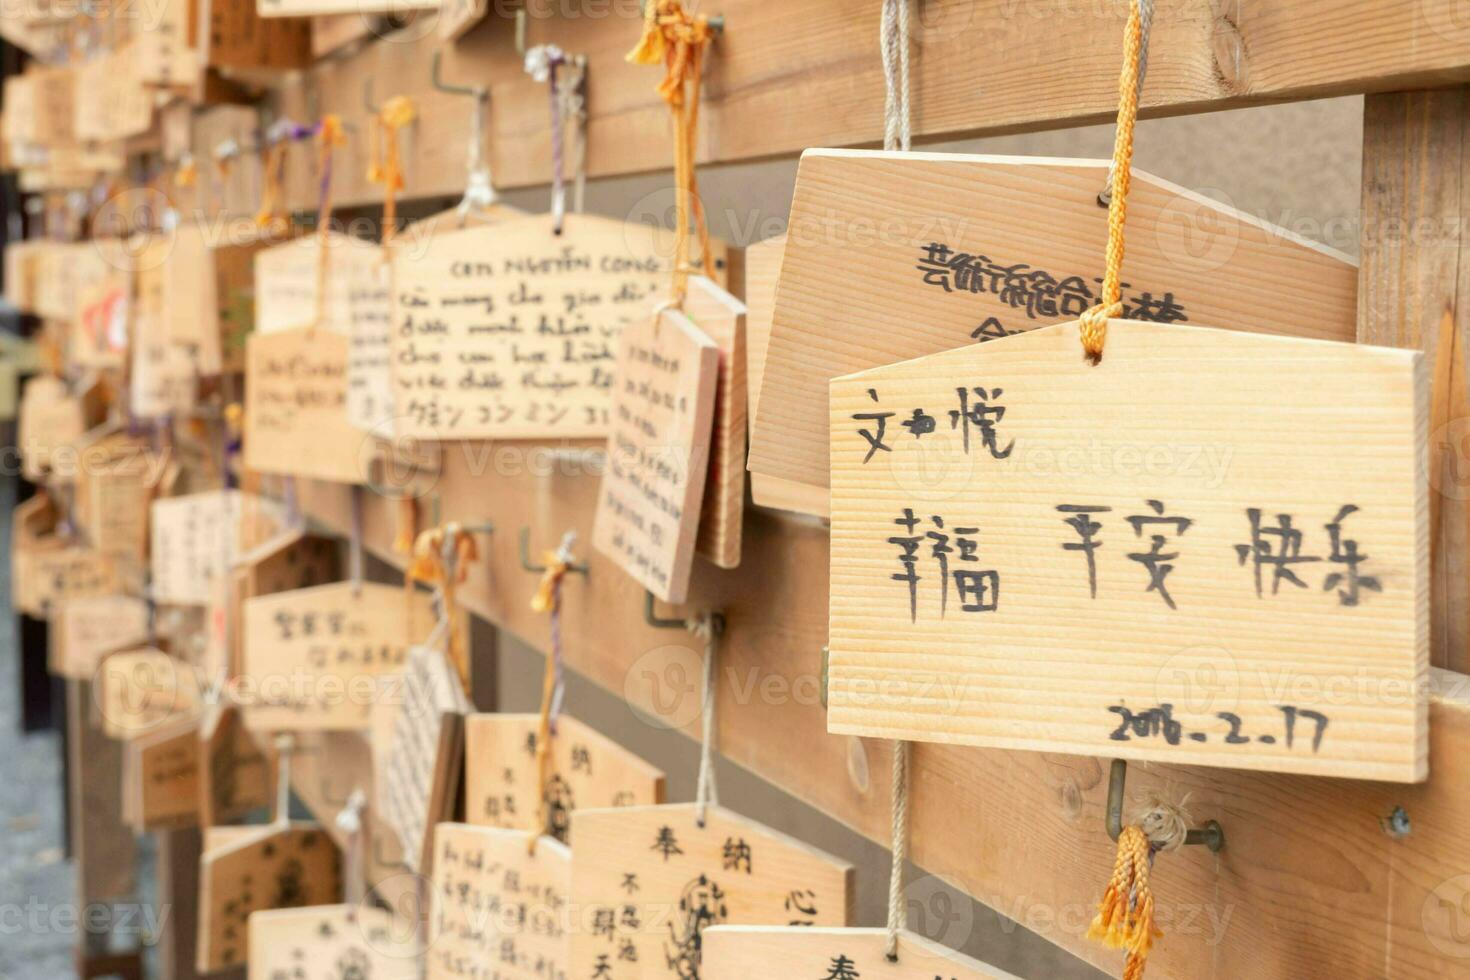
(508, 330)
(296, 407)
(1275, 571)
(143, 691)
(163, 769)
(737, 952)
(330, 942)
(943, 250)
(312, 657)
(658, 450)
(195, 539)
(685, 879)
(1331, 871)
(249, 869)
(783, 77)
(236, 774)
(500, 909)
(722, 318)
(102, 846)
(286, 279)
(1413, 290)
(85, 629)
(588, 771)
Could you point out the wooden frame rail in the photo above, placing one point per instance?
(800, 73)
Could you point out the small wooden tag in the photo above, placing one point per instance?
(737, 952)
(296, 407)
(236, 774)
(1221, 530)
(99, 338)
(51, 421)
(164, 378)
(145, 690)
(87, 628)
(286, 282)
(500, 910)
(163, 769)
(650, 880)
(196, 538)
(663, 404)
(251, 869)
(116, 479)
(313, 657)
(588, 771)
(331, 942)
(509, 330)
(418, 780)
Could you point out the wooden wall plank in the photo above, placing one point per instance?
(1414, 291)
(785, 76)
(1309, 884)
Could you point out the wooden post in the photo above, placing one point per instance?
(1414, 291)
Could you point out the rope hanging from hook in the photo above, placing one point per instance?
(386, 167)
(441, 559)
(547, 599)
(901, 751)
(543, 63)
(678, 39)
(1094, 322)
(1125, 915)
(706, 792)
(1145, 27)
(329, 136)
(894, 37)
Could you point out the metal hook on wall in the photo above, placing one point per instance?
(1211, 835)
(576, 567)
(717, 619)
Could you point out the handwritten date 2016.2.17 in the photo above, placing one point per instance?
(1158, 722)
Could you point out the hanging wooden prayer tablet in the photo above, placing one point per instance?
(588, 771)
(418, 780)
(312, 657)
(237, 774)
(162, 770)
(196, 538)
(939, 250)
(51, 420)
(738, 952)
(258, 868)
(87, 628)
(141, 691)
(650, 880)
(500, 909)
(509, 330)
(332, 942)
(721, 317)
(1225, 533)
(296, 407)
(287, 277)
(663, 404)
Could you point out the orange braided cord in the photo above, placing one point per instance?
(1094, 322)
(1125, 916)
(385, 168)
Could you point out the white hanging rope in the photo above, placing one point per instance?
(349, 821)
(706, 793)
(285, 745)
(897, 126)
(900, 846)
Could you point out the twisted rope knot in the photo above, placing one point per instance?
(1093, 326)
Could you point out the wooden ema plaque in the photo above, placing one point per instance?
(143, 691)
(1224, 534)
(87, 628)
(737, 952)
(499, 911)
(943, 249)
(331, 942)
(236, 773)
(588, 771)
(161, 775)
(296, 407)
(99, 336)
(250, 869)
(196, 538)
(52, 572)
(721, 317)
(313, 657)
(509, 330)
(163, 380)
(286, 277)
(116, 478)
(51, 420)
(648, 882)
(663, 403)
(420, 718)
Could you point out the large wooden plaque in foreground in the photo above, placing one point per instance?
(737, 952)
(509, 330)
(1209, 549)
(897, 255)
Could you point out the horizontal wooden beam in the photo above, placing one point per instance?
(1310, 884)
(800, 73)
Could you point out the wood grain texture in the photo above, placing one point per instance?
(1414, 291)
(102, 845)
(661, 414)
(803, 73)
(687, 877)
(938, 251)
(981, 570)
(588, 771)
(737, 952)
(1250, 911)
(296, 407)
(328, 942)
(722, 318)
